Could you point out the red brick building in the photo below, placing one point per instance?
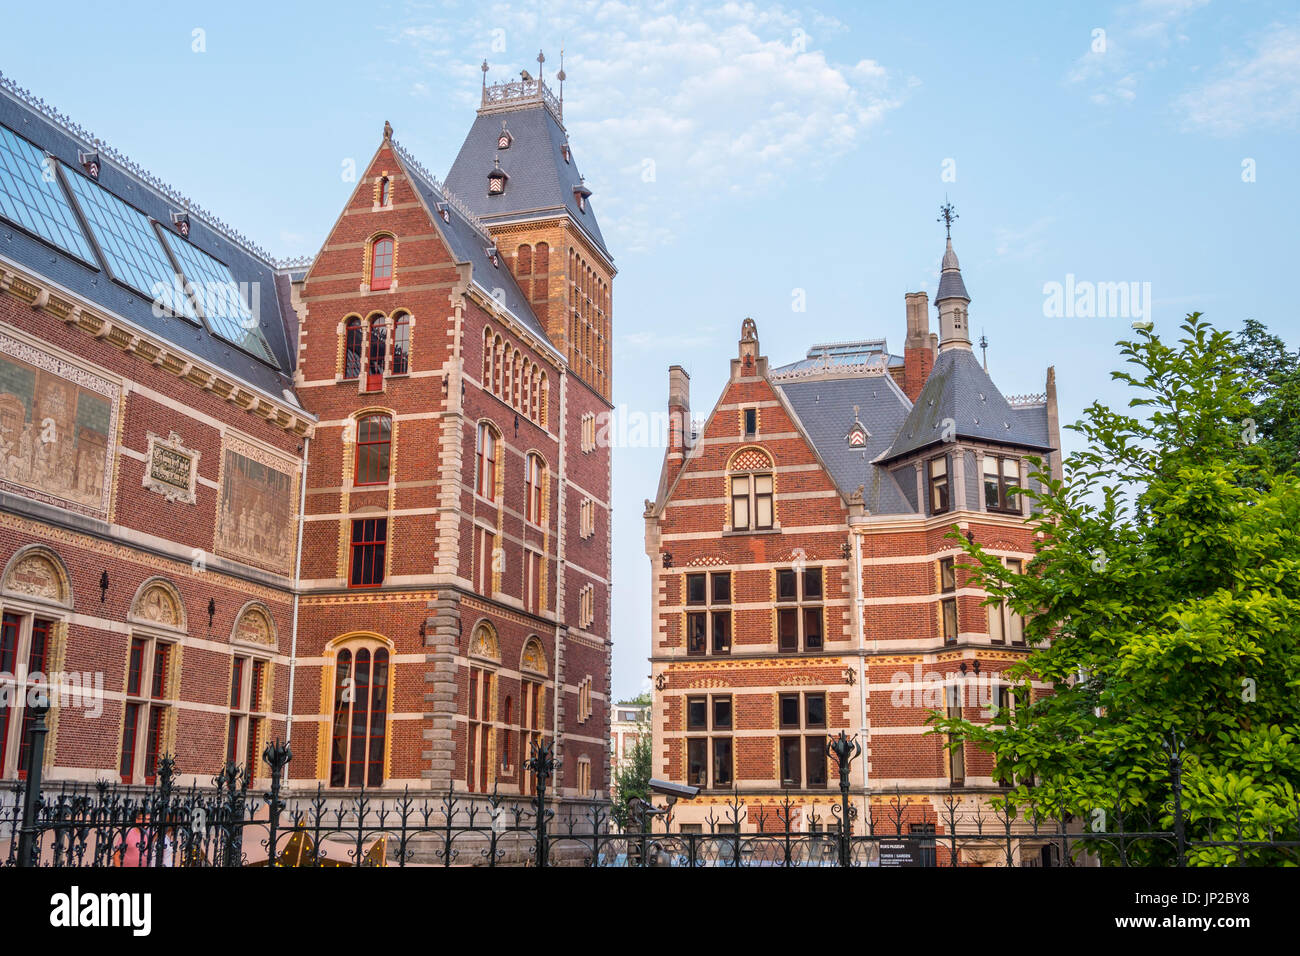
(355, 501)
(803, 583)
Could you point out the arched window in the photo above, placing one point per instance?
(381, 264)
(375, 360)
(516, 367)
(374, 445)
(487, 357)
(352, 348)
(533, 473)
(401, 363)
(385, 192)
(535, 389)
(526, 387)
(497, 351)
(544, 401)
(487, 461)
(359, 729)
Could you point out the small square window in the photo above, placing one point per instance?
(722, 587)
(786, 585)
(812, 584)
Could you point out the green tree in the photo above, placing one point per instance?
(633, 779)
(1274, 389)
(1163, 603)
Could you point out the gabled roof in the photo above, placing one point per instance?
(63, 141)
(468, 243)
(825, 408)
(540, 183)
(958, 390)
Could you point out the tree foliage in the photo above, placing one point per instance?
(1163, 603)
(633, 779)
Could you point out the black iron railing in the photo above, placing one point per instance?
(230, 824)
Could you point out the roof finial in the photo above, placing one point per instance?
(946, 215)
(984, 347)
(484, 68)
(560, 76)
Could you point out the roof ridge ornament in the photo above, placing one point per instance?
(525, 91)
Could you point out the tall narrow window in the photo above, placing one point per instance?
(385, 192)
(938, 484)
(957, 754)
(401, 344)
(369, 544)
(1004, 623)
(360, 717)
(374, 443)
(375, 360)
(352, 348)
(708, 622)
(533, 472)
(480, 715)
(486, 478)
(799, 613)
(948, 604)
(381, 264)
(146, 709)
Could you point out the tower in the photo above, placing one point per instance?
(516, 172)
(952, 300)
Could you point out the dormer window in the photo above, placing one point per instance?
(580, 194)
(181, 220)
(491, 253)
(444, 211)
(504, 140)
(564, 151)
(90, 163)
(497, 179)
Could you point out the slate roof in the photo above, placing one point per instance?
(960, 390)
(825, 409)
(95, 286)
(832, 357)
(468, 243)
(540, 180)
(951, 284)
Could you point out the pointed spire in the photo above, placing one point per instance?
(952, 299)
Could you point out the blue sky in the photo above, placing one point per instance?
(744, 155)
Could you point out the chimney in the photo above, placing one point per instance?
(918, 348)
(679, 411)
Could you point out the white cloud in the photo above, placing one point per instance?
(1136, 41)
(1259, 91)
(724, 99)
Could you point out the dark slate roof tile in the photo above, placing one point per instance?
(539, 180)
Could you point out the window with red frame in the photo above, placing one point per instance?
(487, 546)
(246, 704)
(533, 488)
(374, 445)
(381, 264)
(352, 348)
(482, 691)
(401, 345)
(375, 358)
(530, 733)
(486, 476)
(144, 720)
(20, 637)
(369, 543)
(359, 734)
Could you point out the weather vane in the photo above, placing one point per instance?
(946, 215)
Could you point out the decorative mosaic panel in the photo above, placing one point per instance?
(58, 427)
(258, 506)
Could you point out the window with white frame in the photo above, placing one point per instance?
(1005, 625)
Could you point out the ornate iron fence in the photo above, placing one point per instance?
(229, 824)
